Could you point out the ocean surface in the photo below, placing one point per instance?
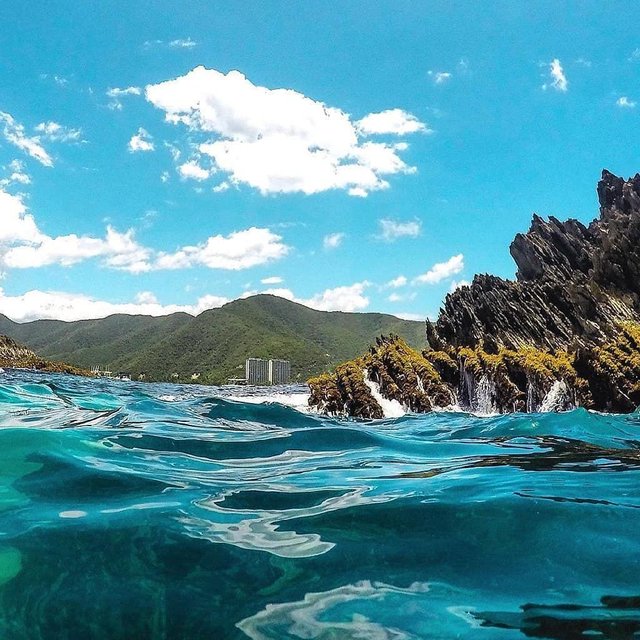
(141, 511)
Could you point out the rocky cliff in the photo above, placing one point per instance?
(14, 355)
(564, 333)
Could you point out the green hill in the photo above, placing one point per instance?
(215, 343)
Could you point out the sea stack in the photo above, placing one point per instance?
(564, 333)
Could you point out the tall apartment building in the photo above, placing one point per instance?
(279, 371)
(259, 371)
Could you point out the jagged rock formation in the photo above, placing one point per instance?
(14, 355)
(565, 333)
(574, 283)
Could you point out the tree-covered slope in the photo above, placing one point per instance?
(216, 343)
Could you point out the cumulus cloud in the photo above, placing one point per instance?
(333, 240)
(558, 79)
(278, 140)
(394, 121)
(56, 305)
(193, 171)
(116, 94)
(625, 103)
(442, 270)
(347, 298)
(238, 250)
(23, 245)
(391, 230)
(272, 280)
(14, 133)
(400, 281)
(141, 141)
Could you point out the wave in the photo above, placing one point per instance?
(226, 516)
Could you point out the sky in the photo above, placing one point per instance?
(161, 156)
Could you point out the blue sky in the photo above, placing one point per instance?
(358, 156)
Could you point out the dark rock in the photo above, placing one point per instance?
(565, 332)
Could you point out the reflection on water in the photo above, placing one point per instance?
(159, 511)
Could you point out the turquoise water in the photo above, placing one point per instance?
(159, 511)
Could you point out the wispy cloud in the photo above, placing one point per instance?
(625, 103)
(14, 133)
(440, 77)
(116, 94)
(391, 230)
(558, 79)
(55, 132)
(183, 43)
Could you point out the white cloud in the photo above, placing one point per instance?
(400, 281)
(116, 93)
(391, 230)
(183, 43)
(14, 133)
(119, 250)
(625, 103)
(221, 188)
(272, 280)
(394, 121)
(23, 245)
(333, 240)
(238, 250)
(397, 297)
(17, 225)
(56, 305)
(346, 298)
(55, 132)
(17, 174)
(456, 284)
(141, 141)
(558, 79)
(634, 56)
(276, 140)
(419, 317)
(193, 171)
(442, 270)
(440, 77)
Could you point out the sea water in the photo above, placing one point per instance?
(162, 511)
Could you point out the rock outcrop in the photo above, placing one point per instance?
(565, 332)
(14, 355)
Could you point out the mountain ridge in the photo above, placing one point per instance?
(214, 343)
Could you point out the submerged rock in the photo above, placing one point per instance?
(564, 333)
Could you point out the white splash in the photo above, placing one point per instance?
(390, 408)
(298, 401)
(556, 398)
(483, 400)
